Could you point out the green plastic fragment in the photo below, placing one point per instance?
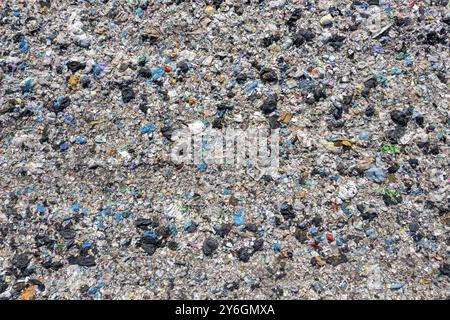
(390, 148)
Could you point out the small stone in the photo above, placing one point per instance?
(244, 254)
(223, 229)
(414, 227)
(85, 260)
(326, 20)
(21, 261)
(258, 244)
(269, 105)
(149, 248)
(75, 66)
(210, 245)
(210, 11)
(127, 94)
(399, 117)
(287, 211)
(268, 75)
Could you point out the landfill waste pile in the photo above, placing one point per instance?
(92, 206)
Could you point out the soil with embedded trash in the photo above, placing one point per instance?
(92, 92)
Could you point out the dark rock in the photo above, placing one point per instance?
(143, 223)
(209, 246)
(167, 131)
(414, 227)
(21, 261)
(42, 240)
(273, 122)
(217, 123)
(172, 245)
(223, 229)
(445, 269)
(148, 248)
(294, 18)
(337, 260)
(258, 244)
(371, 83)
(3, 287)
(347, 100)
(52, 265)
(394, 135)
(434, 149)
(74, 66)
(183, 66)
(127, 94)
(399, 117)
(361, 208)
(317, 221)
(85, 82)
(67, 234)
(252, 227)
(336, 41)
(370, 111)
(145, 72)
(154, 239)
(287, 211)
(269, 40)
(301, 235)
(369, 215)
(39, 284)
(402, 22)
(393, 169)
(302, 36)
(269, 105)
(391, 201)
(143, 106)
(414, 163)
(268, 75)
(319, 93)
(82, 260)
(244, 254)
(241, 78)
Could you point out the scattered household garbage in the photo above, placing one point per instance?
(92, 94)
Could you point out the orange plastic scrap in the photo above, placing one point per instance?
(29, 293)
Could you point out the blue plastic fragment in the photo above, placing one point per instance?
(40, 208)
(396, 286)
(28, 87)
(86, 245)
(157, 73)
(151, 234)
(147, 128)
(375, 175)
(173, 229)
(139, 12)
(187, 224)
(118, 217)
(276, 246)
(63, 146)
(202, 166)
(80, 140)
(238, 217)
(24, 46)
